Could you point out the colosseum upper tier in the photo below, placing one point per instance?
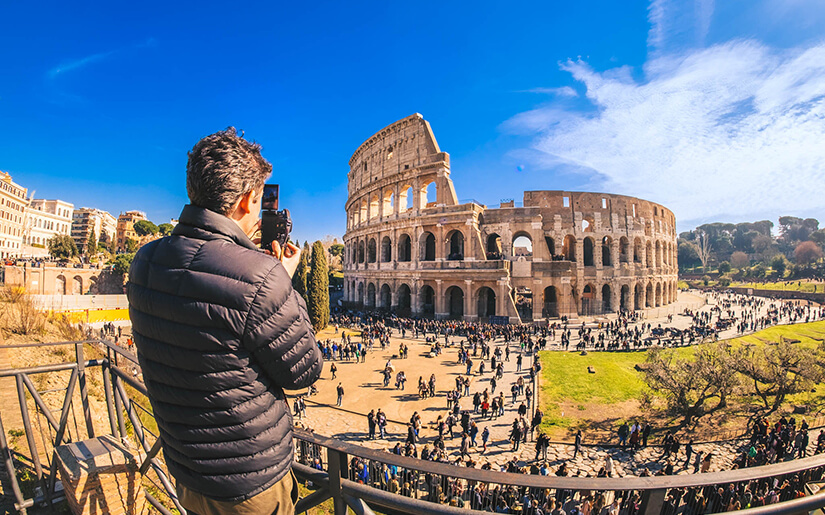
(412, 248)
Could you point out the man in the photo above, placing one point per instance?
(220, 334)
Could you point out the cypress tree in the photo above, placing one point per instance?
(318, 288)
(299, 279)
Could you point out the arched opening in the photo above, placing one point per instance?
(77, 285)
(523, 297)
(60, 285)
(428, 195)
(405, 199)
(569, 248)
(588, 300)
(551, 247)
(493, 246)
(93, 287)
(427, 300)
(371, 295)
(638, 302)
(361, 251)
(607, 249)
(637, 250)
(427, 247)
(624, 298)
(658, 295)
(649, 255)
(587, 225)
(455, 242)
(551, 303)
(373, 205)
(387, 208)
(658, 253)
(486, 303)
(522, 245)
(386, 249)
(404, 300)
(405, 248)
(587, 250)
(360, 294)
(624, 250)
(455, 302)
(649, 295)
(362, 213)
(371, 251)
(606, 299)
(385, 299)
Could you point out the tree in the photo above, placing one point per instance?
(299, 279)
(131, 245)
(779, 264)
(122, 263)
(318, 288)
(91, 245)
(777, 370)
(703, 247)
(689, 385)
(807, 252)
(724, 267)
(145, 228)
(688, 254)
(62, 246)
(165, 229)
(739, 260)
(336, 249)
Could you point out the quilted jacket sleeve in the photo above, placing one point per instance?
(279, 335)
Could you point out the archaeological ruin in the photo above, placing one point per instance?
(412, 248)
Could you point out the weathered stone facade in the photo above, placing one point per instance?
(411, 247)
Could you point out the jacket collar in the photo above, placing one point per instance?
(219, 225)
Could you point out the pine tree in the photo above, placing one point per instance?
(299, 279)
(91, 245)
(318, 288)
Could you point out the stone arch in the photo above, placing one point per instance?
(373, 209)
(493, 246)
(638, 249)
(649, 296)
(588, 224)
(388, 203)
(638, 298)
(428, 194)
(371, 251)
(405, 198)
(427, 300)
(361, 251)
(588, 306)
(551, 246)
(386, 249)
(427, 246)
(454, 297)
(649, 255)
(405, 248)
(404, 300)
(485, 302)
(385, 297)
(362, 212)
(455, 245)
(658, 294)
(607, 299)
(624, 298)
(371, 295)
(569, 248)
(587, 251)
(607, 251)
(624, 250)
(93, 285)
(60, 285)
(551, 303)
(361, 294)
(77, 285)
(519, 241)
(658, 249)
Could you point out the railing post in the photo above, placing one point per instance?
(27, 426)
(84, 393)
(7, 459)
(338, 465)
(107, 391)
(652, 501)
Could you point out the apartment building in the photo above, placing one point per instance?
(125, 228)
(13, 204)
(86, 221)
(43, 220)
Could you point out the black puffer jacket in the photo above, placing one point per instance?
(219, 332)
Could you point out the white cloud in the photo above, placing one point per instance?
(734, 130)
(564, 91)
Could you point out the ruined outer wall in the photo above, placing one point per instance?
(425, 254)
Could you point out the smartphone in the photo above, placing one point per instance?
(275, 225)
(269, 202)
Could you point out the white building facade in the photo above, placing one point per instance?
(13, 204)
(45, 219)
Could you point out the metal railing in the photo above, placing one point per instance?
(353, 476)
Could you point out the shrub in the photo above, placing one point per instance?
(724, 267)
(705, 279)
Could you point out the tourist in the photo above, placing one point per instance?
(371, 422)
(340, 391)
(578, 444)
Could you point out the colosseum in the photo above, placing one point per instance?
(412, 248)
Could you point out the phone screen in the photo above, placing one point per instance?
(269, 201)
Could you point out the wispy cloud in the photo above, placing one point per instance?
(564, 91)
(678, 24)
(82, 62)
(730, 130)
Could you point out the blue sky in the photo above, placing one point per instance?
(714, 109)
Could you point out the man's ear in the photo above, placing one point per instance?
(245, 203)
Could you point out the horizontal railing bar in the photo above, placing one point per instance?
(158, 506)
(118, 349)
(568, 483)
(400, 502)
(131, 381)
(58, 367)
(47, 344)
(792, 507)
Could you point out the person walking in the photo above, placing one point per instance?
(485, 435)
(333, 369)
(578, 445)
(340, 391)
(688, 453)
(371, 423)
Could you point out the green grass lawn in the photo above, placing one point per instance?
(587, 399)
(803, 286)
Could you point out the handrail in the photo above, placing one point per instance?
(567, 483)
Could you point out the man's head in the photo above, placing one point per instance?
(223, 168)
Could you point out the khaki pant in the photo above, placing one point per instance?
(278, 499)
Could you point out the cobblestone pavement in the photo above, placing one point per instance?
(364, 391)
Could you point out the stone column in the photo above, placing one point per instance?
(439, 301)
(469, 312)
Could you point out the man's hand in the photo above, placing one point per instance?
(290, 256)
